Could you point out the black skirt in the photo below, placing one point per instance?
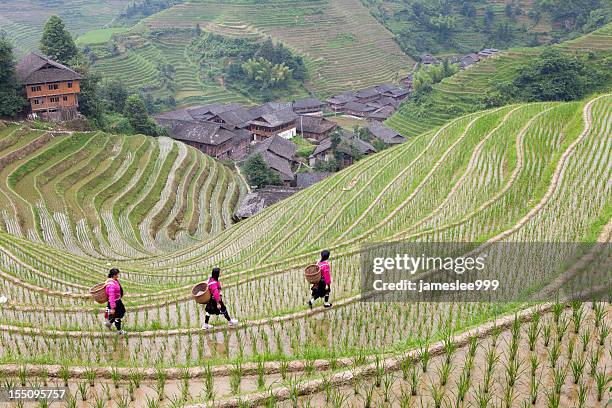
(214, 308)
(319, 290)
(119, 310)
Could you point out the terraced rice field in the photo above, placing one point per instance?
(139, 68)
(462, 92)
(24, 20)
(346, 48)
(522, 173)
(110, 197)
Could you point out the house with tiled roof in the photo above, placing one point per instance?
(51, 88)
(279, 154)
(309, 106)
(278, 123)
(315, 127)
(385, 133)
(350, 146)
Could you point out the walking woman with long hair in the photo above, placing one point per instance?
(115, 307)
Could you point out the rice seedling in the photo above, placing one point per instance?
(388, 382)
(437, 393)
(533, 331)
(160, 383)
(600, 313)
(602, 379)
(582, 394)
(554, 353)
(577, 315)
(414, 381)
(577, 366)
(379, 371)
(585, 338)
(208, 382)
(70, 402)
(64, 374)
(135, 377)
(98, 402)
(150, 402)
(115, 377)
(90, 375)
(368, 395)
(594, 361)
(22, 374)
(444, 372)
(83, 390)
(546, 334)
(338, 399)
(603, 334)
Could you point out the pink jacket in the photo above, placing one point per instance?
(215, 289)
(113, 290)
(325, 271)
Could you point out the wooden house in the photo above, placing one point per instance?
(309, 106)
(51, 88)
(280, 123)
(314, 127)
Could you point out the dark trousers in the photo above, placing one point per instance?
(119, 313)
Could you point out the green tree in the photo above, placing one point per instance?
(11, 93)
(554, 76)
(258, 173)
(57, 43)
(136, 113)
(116, 95)
(265, 74)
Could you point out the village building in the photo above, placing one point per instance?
(488, 52)
(279, 154)
(349, 146)
(338, 102)
(305, 180)
(368, 95)
(51, 88)
(394, 92)
(385, 133)
(381, 114)
(210, 138)
(309, 106)
(262, 198)
(429, 59)
(314, 127)
(360, 110)
(280, 123)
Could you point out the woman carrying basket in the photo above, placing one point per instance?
(215, 305)
(322, 289)
(115, 308)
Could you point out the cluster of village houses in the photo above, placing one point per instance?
(233, 131)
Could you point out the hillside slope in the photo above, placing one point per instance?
(463, 92)
(523, 173)
(345, 47)
(109, 196)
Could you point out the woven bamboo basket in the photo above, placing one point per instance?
(200, 293)
(98, 293)
(312, 273)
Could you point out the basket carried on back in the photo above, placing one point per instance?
(201, 293)
(98, 293)
(312, 274)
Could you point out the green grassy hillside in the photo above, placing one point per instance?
(463, 92)
(467, 26)
(106, 196)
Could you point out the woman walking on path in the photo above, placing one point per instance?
(323, 288)
(115, 307)
(215, 305)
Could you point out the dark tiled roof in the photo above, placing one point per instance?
(179, 114)
(277, 118)
(382, 113)
(304, 180)
(359, 107)
(342, 98)
(280, 164)
(368, 92)
(314, 124)
(386, 134)
(236, 118)
(264, 197)
(429, 59)
(206, 133)
(279, 146)
(37, 69)
(347, 139)
(324, 146)
(308, 103)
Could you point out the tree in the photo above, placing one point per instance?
(258, 173)
(89, 99)
(56, 42)
(11, 93)
(136, 113)
(116, 95)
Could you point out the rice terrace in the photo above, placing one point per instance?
(305, 203)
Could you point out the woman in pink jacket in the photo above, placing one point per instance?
(115, 308)
(215, 305)
(322, 289)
